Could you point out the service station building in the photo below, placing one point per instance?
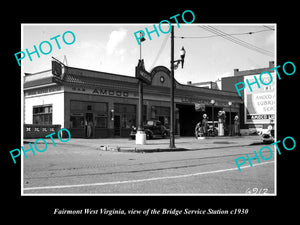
(72, 98)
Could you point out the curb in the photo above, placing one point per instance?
(143, 150)
(153, 150)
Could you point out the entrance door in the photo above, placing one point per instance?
(89, 125)
(117, 125)
(188, 118)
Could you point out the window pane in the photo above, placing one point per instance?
(76, 121)
(127, 114)
(101, 122)
(42, 115)
(35, 121)
(162, 110)
(77, 106)
(100, 107)
(42, 109)
(46, 119)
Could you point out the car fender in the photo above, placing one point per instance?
(148, 131)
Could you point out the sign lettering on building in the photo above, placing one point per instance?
(199, 103)
(118, 93)
(260, 103)
(143, 75)
(42, 91)
(99, 91)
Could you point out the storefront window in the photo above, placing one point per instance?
(163, 115)
(101, 108)
(98, 112)
(162, 111)
(77, 106)
(42, 114)
(101, 114)
(127, 113)
(101, 122)
(76, 121)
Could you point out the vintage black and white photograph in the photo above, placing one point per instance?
(163, 108)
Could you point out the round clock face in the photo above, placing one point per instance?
(162, 79)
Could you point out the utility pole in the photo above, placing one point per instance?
(172, 139)
(140, 109)
(140, 137)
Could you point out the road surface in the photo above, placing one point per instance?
(79, 170)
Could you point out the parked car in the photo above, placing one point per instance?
(267, 135)
(153, 129)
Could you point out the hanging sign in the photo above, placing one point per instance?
(199, 107)
(142, 74)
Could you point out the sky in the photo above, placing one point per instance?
(113, 48)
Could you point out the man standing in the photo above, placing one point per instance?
(236, 125)
(204, 124)
(89, 131)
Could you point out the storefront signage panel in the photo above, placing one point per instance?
(43, 90)
(260, 104)
(143, 75)
(101, 91)
(198, 101)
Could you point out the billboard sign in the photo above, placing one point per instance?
(260, 104)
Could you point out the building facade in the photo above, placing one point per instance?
(76, 99)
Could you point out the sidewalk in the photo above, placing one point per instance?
(184, 144)
(161, 145)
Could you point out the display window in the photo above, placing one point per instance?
(97, 111)
(42, 115)
(76, 120)
(127, 114)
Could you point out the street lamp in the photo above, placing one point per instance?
(172, 117)
(230, 103)
(181, 60)
(182, 55)
(213, 118)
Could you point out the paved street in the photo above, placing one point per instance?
(80, 167)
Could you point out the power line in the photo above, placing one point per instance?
(270, 28)
(218, 35)
(237, 40)
(162, 47)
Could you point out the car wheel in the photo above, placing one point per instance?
(148, 136)
(164, 135)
